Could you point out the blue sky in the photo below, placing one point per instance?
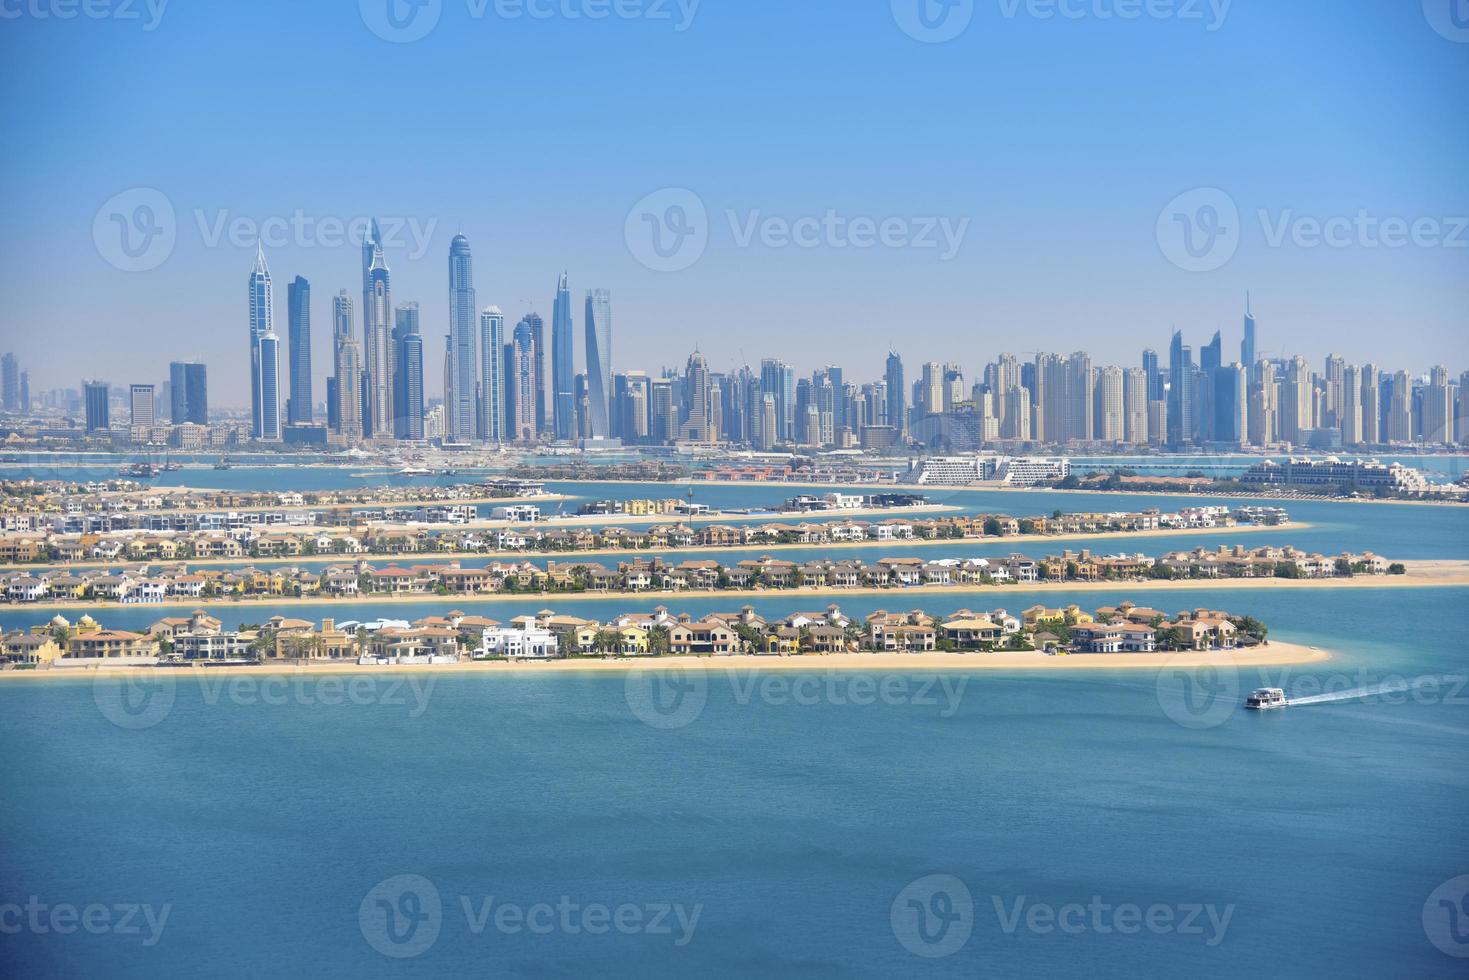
(1058, 140)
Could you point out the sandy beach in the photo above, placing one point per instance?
(1020, 542)
(1436, 573)
(1271, 655)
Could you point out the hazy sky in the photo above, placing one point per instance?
(1054, 144)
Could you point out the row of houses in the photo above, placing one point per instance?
(261, 538)
(149, 584)
(547, 635)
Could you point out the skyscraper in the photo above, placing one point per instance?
(598, 328)
(408, 373)
(563, 364)
(1154, 375)
(262, 322)
(298, 340)
(698, 397)
(10, 383)
(1247, 345)
(523, 383)
(347, 362)
(897, 406)
(491, 426)
(188, 393)
(459, 405)
(1180, 391)
(377, 320)
(97, 399)
(140, 405)
(270, 389)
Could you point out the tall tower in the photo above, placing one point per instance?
(491, 426)
(298, 339)
(563, 369)
(262, 322)
(377, 319)
(270, 387)
(460, 411)
(698, 396)
(598, 327)
(897, 409)
(523, 383)
(347, 362)
(407, 373)
(1180, 391)
(1247, 346)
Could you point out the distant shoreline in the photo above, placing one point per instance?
(1427, 573)
(1274, 654)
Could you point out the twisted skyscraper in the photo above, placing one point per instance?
(598, 328)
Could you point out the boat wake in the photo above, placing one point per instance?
(1398, 686)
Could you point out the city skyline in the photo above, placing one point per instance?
(1057, 246)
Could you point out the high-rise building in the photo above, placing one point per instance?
(262, 322)
(10, 383)
(298, 341)
(1156, 387)
(523, 383)
(1400, 410)
(698, 401)
(1371, 404)
(1111, 411)
(140, 405)
(662, 417)
(563, 362)
(1135, 406)
(97, 398)
(897, 409)
(377, 325)
(460, 410)
(1180, 391)
(1296, 404)
(1230, 404)
(270, 388)
(1350, 415)
(1247, 345)
(25, 392)
(598, 327)
(188, 389)
(1438, 408)
(491, 426)
(408, 374)
(347, 363)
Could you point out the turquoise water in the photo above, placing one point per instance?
(269, 820)
(793, 823)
